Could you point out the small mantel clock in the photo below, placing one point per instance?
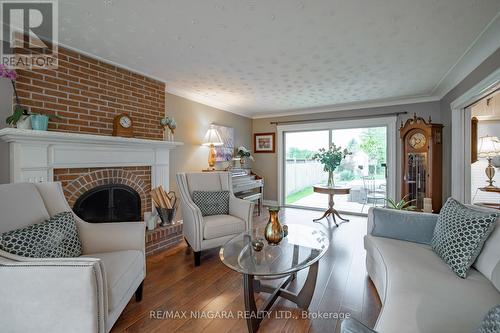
(123, 126)
(422, 158)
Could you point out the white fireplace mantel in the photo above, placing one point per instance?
(35, 154)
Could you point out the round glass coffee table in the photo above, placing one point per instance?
(302, 248)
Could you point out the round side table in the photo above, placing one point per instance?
(331, 191)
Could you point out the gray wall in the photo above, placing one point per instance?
(193, 120)
(5, 111)
(482, 71)
(266, 164)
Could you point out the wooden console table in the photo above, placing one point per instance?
(331, 191)
(491, 190)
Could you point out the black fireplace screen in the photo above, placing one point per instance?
(109, 203)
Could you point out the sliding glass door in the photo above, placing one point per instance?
(301, 171)
(364, 171)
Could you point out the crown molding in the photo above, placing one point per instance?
(351, 106)
(485, 44)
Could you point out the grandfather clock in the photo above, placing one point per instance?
(422, 158)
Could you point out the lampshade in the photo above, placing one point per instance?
(489, 146)
(212, 137)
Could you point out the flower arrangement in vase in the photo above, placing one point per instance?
(20, 116)
(169, 125)
(331, 159)
(243, 153)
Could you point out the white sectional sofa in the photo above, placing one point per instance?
(419, 293)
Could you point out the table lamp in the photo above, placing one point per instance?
(212, 139)
(489, 147)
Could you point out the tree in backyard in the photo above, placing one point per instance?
(296, 153)
(353, 146)
(373, 143)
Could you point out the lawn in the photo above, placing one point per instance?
(299, 195)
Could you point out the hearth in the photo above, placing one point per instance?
(109, 203)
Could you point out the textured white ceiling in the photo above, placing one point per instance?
(262, 57)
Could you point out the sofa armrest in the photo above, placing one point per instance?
(409, 226)
(351, 325)
(109, 237)
(56, 295)
(242, 209)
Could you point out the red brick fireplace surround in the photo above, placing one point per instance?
(77, 181)
(87, 94)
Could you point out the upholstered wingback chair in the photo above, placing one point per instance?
(83, 294)
(206, 232)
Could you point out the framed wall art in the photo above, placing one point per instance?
(226, 151)
(264, 142)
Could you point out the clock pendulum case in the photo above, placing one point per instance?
(422, 158)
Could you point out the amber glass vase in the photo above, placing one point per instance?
(273, 231)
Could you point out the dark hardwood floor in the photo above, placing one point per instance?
(174, 284)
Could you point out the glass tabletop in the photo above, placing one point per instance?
(301, 248)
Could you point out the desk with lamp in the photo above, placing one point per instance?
(489, 147)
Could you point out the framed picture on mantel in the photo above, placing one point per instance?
(264, 142)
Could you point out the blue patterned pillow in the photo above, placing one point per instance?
(491, 322)
(460, 234)
(54, 238)
(212, 202)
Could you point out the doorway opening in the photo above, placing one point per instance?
(485, 151)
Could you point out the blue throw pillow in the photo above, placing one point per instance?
(54, 238)
(403, 225)
(212, 202)
(460, 234)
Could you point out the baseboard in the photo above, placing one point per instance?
(270, 202)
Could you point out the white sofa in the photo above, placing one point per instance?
(419, 293)
(84, 294)
(206, 232)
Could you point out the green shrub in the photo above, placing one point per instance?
(346, 175)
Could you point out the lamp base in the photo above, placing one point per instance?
(490, 173)
(211, 157)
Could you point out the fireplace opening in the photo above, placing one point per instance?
(109, 203)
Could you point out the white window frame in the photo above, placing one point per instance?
(389, 122)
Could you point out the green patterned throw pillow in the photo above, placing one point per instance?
(491, 322)
(212, 202)
(54, 238)
(460, 234)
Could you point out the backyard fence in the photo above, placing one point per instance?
(303, 173)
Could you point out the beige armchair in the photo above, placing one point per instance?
(206, 232)
(84, 294)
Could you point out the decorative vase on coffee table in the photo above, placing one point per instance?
(273, 232)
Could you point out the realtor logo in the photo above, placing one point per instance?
(29, 34)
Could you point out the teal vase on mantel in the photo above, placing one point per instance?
(39, 122)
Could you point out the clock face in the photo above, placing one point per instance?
(125, 122)
(417, 140)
